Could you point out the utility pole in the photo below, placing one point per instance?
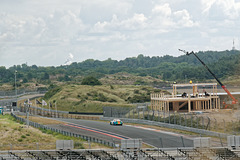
(15, 88)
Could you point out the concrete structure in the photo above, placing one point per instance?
(131, 143)
(64, 144)
(194, 101)
(202, 142)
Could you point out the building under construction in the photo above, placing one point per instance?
(200, 97)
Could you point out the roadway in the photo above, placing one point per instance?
(154, 137)
(105, 131)
(6, 101)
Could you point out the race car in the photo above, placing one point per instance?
(116, 122)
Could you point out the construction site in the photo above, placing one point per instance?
(187, 102)
(197, 97)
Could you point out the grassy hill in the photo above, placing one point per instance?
(17, 136)
(83, 98)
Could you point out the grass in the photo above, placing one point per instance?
(44, 121)
(20, 136)
(16, 136)
(83, 98)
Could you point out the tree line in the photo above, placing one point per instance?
(166, 67)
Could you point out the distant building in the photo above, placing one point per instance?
(233, 48)
(196, 100)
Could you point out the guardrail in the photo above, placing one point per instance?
(56, 113)
(66, 133)
(19, 94)
(167, 125)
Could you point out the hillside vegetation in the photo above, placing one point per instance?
(166, 68)
(83, 98)
(17, 136)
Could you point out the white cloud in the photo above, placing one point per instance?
(138, 21)
(168, 19)
(164, 10)
(229, 8)
(42, 32)
(183, 19)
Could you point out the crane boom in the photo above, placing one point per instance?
(223, 87)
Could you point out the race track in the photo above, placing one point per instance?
(104, 130)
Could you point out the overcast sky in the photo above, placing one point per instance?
(50, 32)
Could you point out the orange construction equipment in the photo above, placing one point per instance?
(234, 101)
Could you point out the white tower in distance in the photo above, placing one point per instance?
(233, 48)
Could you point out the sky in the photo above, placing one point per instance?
(58, 32)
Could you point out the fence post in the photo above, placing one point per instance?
(185, 120)
(202, 122)
(138, 112)
(224, 126)
(161, 141)
(143, 114)
(89, 143)
(11, 146)
(191, 119)
(37, 146)
(174, 118)
(180, 119)
(113, 143)
(220, 140)
(215, 124)
(209, 123)
(169, 118)
(153, 115)
(182, 141)
(164, 115)
(197, 121)
(148, 115)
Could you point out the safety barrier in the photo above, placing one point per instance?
(66, 133)
(167, 125)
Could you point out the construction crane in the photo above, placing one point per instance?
(234, 101)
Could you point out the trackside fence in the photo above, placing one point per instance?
(173, 126)
(66, 133)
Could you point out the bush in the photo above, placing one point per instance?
(78, 145)
(52, 92)
(20, 140)
(90, 80)
(42, 89)
(23, 136)
(139, 99)
(111, 87)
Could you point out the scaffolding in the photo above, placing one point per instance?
(187, 102)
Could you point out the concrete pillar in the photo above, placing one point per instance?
(189, 103)
(175, 106)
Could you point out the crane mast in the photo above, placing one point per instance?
(234, 101)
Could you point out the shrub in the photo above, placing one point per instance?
(23, 136)
(52, 92)
(78, 145)
(20, 140)
(90, 80)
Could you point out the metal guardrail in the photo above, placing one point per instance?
(66, 133)
(19, 94)
(167, 125)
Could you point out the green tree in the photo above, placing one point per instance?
(90, 80)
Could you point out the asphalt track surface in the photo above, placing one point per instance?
(103, 130)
